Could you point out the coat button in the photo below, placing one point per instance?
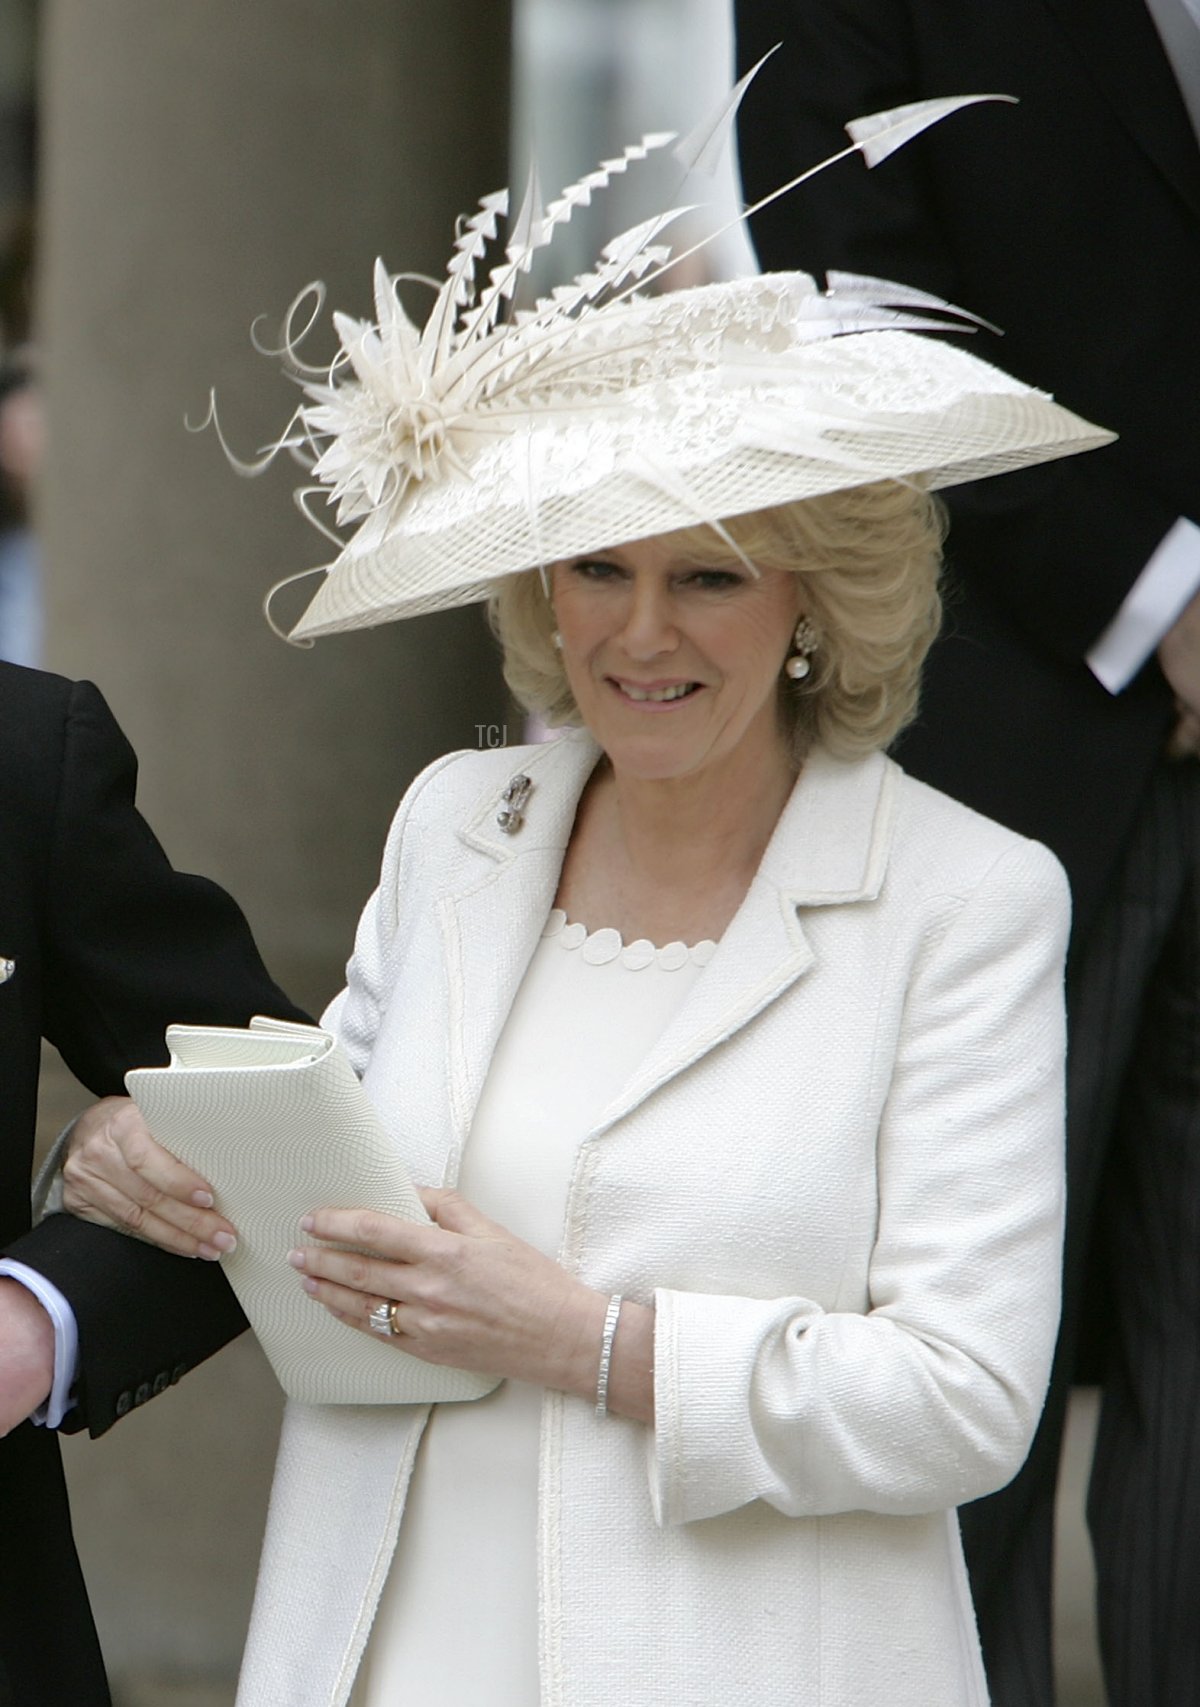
(124, 1403)
(142, 1394)
(161, 1382)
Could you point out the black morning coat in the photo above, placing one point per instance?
(110, 946)
(1080, 237)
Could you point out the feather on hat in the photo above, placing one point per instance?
(496, 439)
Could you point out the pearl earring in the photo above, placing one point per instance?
(805, 641)
(557, 639)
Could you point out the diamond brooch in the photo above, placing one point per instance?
(511, 815)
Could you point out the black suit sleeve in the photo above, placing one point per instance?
(837, 60)
(129, 946)
(1056, 548)
(132, 944)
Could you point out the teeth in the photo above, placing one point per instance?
(658, 694)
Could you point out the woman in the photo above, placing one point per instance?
(731, 1057)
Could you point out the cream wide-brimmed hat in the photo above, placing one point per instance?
(494, 440)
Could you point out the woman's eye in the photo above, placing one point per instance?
(714, 580)
(594, 569)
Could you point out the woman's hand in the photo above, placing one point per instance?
(471, 1295)
(117, 1175)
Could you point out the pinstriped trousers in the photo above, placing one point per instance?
(1133, 1169)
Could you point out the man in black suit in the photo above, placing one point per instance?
(1070, 665)
(102, 945)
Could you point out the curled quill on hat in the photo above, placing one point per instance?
(499, 438)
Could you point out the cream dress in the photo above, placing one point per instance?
(457, 1620)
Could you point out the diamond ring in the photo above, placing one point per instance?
(380, 1318)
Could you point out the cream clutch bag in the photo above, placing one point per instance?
(276, 1120)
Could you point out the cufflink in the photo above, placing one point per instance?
(7, 968)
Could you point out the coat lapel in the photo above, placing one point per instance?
(830, 848)
(491, 925)
(1119, 44)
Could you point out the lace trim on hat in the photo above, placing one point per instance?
(600, 947)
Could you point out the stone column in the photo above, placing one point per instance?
(203, 160)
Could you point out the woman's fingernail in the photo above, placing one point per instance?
(306, 1225)
(225, 1242)
(308, 1283)
(208, 1253)
(296, 1258)
(202, 1199)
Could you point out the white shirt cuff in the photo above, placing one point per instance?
(66, 1340)
(1167, 583)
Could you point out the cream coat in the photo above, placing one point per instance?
(837, 1176)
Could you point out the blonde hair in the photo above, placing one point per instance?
(870, 558)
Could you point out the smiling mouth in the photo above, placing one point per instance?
(656, 696)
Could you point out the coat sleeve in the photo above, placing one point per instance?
(931, 1396)
(130, 945)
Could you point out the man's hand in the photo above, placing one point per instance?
(26, 1354)
(1184, 740)
(1179, 659)
(1179, 655)
(117, 1175)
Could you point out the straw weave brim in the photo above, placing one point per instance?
(435, 562)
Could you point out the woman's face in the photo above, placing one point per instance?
(675, 666)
